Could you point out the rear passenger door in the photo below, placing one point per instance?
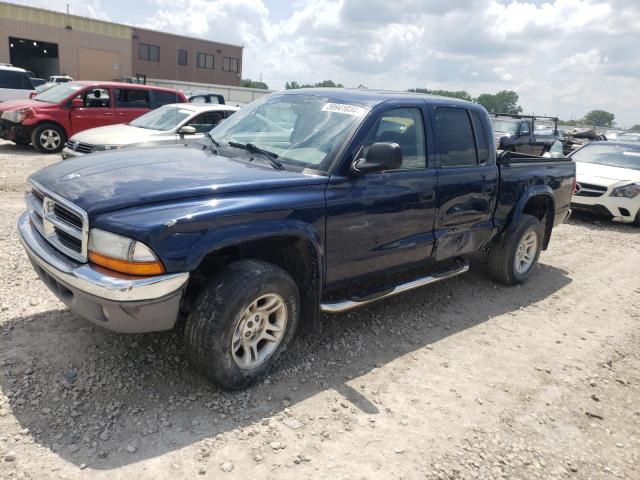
(131, 103)
(467, 181)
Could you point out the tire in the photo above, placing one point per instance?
(504, 254)
(636, 222)
(48, 138)
(219, 316)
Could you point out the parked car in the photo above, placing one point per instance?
(169, 124)
(15, 83)
(524, 134)
(252, 233)
(54, 115)
(60, 79)
(608, 180)
(205, 97)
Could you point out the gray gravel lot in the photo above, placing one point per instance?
(464, 379)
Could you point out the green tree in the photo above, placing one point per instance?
(461, 94)
(599, 118)
(324, 83)
(569, 123)
(505, 101)
(247, 82)
(636, 128)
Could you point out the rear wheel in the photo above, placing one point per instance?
(242, 322)
(48, 138)
(512, 259)
(636, 222)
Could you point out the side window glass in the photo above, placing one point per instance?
(206, 121)
(405, 127)
(481, 136)
(524, 128)
(96, 98)
(164, 98)
(132, 98)
(455, 135)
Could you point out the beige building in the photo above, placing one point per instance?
(52, 43)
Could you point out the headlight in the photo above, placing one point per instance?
(19, 116)
(122, 254)
(629, 191)
(101, 148)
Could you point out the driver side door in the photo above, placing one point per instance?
(382, 222)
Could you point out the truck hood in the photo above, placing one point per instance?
(604, 175)
(118, 135)
(109, 181)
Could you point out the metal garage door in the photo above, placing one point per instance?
(98, 64)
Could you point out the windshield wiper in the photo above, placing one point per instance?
(214, 142)
(253, 148)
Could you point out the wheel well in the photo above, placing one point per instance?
(541, 207)
(295, 255)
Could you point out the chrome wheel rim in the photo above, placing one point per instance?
(526, 252)
(50, 139)
(259, 331)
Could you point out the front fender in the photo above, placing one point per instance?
(236, 234)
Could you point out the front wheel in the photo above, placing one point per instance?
(512, 259)
(48, 138)
(242, 322)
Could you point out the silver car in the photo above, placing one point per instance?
(169, 124)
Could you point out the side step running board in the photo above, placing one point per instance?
(460, 266)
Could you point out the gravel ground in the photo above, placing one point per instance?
(464, 379)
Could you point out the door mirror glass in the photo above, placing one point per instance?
(187, 130)
(380, 156)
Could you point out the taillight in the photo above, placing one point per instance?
(574, 185)
(32, 94)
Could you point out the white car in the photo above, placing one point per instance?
(60, 79)
(169, 124)
(608, 180)
(15, 83)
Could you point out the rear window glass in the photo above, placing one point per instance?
(455, 134)
(15, 80)
(133, 98)
(481, 136)
(165, 98)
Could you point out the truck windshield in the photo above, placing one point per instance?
(59, 92)
(304, 130)
(164, 118)
(623, 156)
(504, 126)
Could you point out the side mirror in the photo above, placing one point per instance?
(77, 103)
(380, 156)
(187, 130)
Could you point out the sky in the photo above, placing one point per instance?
(563, 57)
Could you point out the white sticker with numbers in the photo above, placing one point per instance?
(344, 108)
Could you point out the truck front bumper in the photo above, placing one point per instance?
(120, 303)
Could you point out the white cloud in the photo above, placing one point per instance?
(563, 57)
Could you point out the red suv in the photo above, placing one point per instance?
(54, 115)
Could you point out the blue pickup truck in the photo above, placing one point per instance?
(304, 202)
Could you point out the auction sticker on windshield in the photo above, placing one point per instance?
(344, 108)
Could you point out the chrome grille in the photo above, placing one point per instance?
(61, 223)
(589, 190)
(79, 146)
